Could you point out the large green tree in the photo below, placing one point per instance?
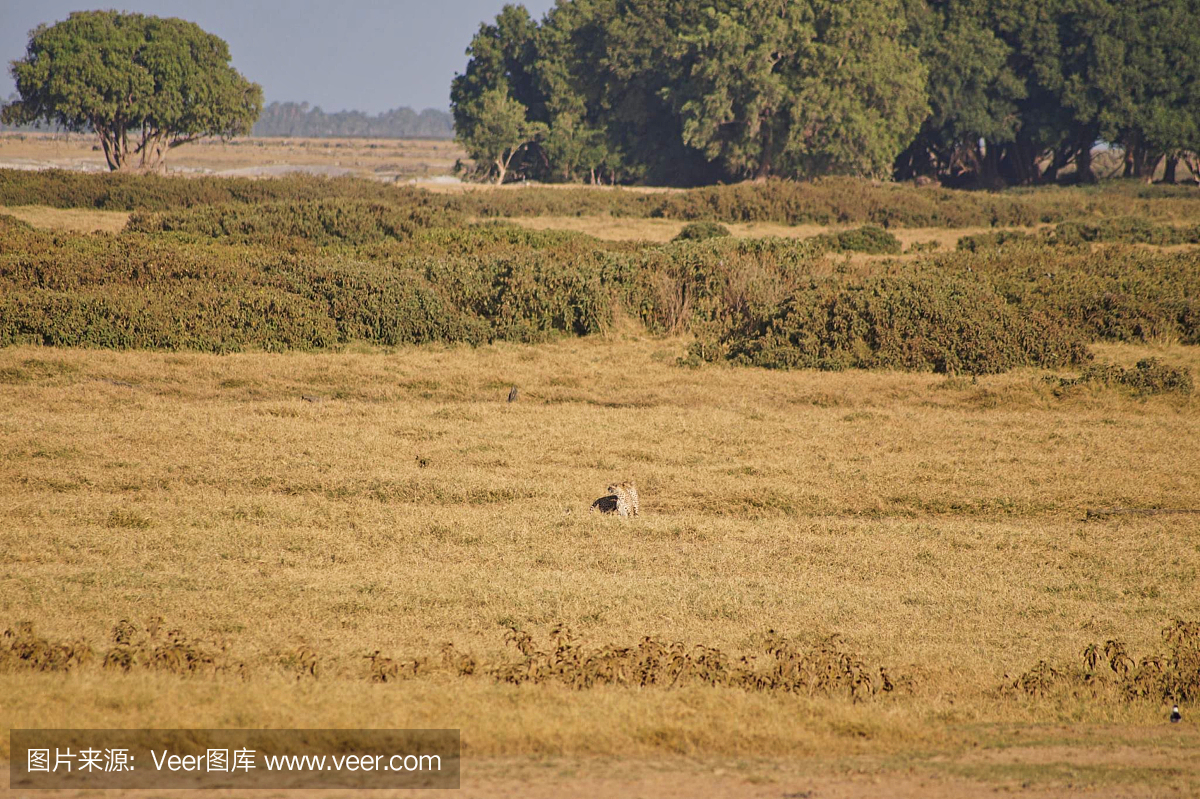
(143, 84)
(801, 88)
(498, 130)
(674, 91)
(576, 142)
(1140, 79)
(972, 91)
(989, 92)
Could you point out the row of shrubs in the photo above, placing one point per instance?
(826, 201)
(866, 239)
(140, 291)
(1118, 293)
(766, 302)
(321, 222)
(357, 222)
(922, 321)
(1125, 229)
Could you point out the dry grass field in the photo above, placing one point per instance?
(76, 220)
(355, 538)
(387, 159)
(290, 510)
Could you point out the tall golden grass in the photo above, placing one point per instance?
(292, 515)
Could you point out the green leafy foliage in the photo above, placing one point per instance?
(868, 239)
(680, 92)
(700, 231)
(498, 130)
(317, 221)
(988, 93)
(1133, 230)
(10, 222)
(1126, 229)
(928, 322)
(143, 84)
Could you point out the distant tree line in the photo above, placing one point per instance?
(298, 119)
(984, 92)
(301, 121)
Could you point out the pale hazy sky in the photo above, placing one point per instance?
(369, 55)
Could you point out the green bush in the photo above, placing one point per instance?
(928, 322)
(316, 221)
(1149, 376)
(1124, 229)
(700, 231)
(181, 317)
(118, 191)
(1115, 293)
(867, 239)
(992, 240)
(142, 291)
(1128, 229)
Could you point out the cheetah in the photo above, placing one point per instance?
(622, 499)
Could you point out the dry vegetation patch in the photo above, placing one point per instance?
(77, 220)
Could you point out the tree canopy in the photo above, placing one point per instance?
(990, 92)
(144, 84)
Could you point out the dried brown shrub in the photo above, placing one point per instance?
(22, 648)
(1111, 670)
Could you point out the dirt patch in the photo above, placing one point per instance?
(76, 220)
(551, 779)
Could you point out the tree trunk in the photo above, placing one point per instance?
(989, 167)
(764, 159)
(110, 142)
(1083, 163)
(1017, 163)
(1193, 165)
(153, 148)
(1135, 155)
(1170, 169)
(501, 168)
(1061, 158)
(110, 153)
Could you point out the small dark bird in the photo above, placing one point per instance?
(1176, 716)
(512, 394)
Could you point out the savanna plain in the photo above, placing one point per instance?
(942, 577)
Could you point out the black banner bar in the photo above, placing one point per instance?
(206, 759)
